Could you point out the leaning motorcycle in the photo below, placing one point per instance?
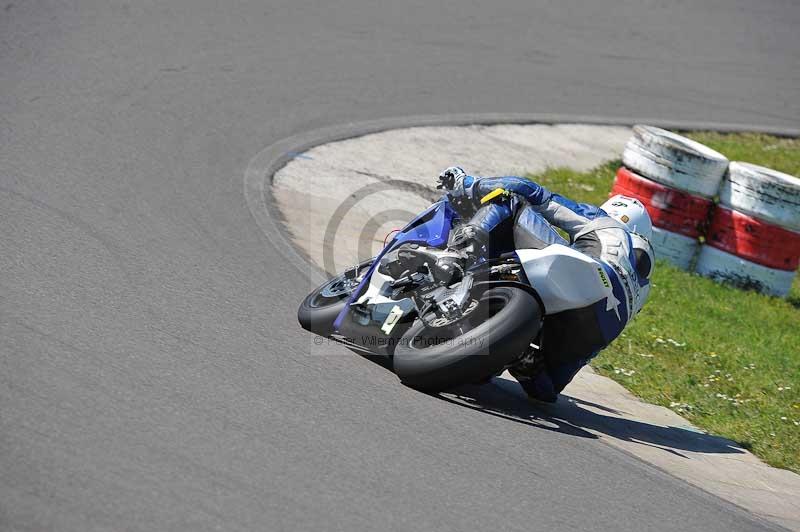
(443, 325)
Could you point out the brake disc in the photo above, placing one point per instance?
(339, 287)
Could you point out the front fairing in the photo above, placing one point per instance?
(378, 327)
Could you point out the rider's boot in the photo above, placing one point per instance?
(536, 381)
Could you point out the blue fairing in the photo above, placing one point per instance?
(430, 228)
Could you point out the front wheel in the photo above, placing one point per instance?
(321, 307)
(486, 341)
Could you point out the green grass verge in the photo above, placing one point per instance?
(726, 359)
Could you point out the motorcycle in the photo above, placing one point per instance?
(441, 324)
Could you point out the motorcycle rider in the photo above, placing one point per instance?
(502, 213)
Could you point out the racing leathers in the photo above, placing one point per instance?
(516, 213)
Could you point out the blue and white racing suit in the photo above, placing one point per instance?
(580, 328)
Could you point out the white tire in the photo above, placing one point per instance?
(675, 161)
(675, 248)
(762, 193)
(722, 266)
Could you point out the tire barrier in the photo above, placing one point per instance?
(762, 193)
(675, 248)
(674, 161)
(722, 266)
(754, 240)
(676, 179)
(754, 237)
(670, 209)
(679, 218)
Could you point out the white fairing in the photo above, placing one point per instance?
(564, 278)
(373, 292)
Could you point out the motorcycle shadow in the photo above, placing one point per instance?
(505, 399)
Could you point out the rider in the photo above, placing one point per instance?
(502, 213)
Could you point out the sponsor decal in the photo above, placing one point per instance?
(391, 320)
(612, 303)
(603, 278)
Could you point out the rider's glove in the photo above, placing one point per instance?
(449, 178)
(463, 235)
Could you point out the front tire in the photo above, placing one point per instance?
(494, 335)
(321, 307)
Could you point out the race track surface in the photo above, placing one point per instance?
(152, 374)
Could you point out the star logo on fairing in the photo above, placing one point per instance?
(613, 303)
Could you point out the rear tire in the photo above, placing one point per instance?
(501, 328)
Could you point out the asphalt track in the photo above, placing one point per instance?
(152, 373)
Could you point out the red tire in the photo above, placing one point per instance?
(670, 209)
(753, 240)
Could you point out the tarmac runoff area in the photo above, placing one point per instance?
(339, 200)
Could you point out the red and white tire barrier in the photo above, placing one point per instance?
(722, 266)
(754, 237)
(676, 178)
(678, 217)
(754, 240)
(678, 249)
(675, 161)
(762, 193)
(670, 209)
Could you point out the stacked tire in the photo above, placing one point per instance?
(754, 237)
(676, 179)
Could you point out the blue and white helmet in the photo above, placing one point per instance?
(631, 213)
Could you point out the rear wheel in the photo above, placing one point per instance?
(320, 308)
(480, 345)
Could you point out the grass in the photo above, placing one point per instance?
(726, 359)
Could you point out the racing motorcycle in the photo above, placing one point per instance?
(443, 324)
